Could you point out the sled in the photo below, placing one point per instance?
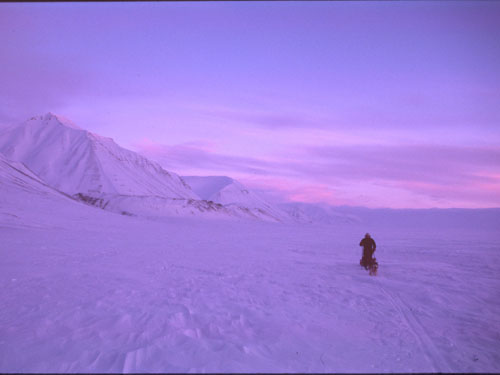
(370, 265)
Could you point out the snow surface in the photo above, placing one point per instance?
(88, 290)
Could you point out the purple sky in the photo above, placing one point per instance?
(380, 104)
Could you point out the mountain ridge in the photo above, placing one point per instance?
(97, 171)
(77, 161)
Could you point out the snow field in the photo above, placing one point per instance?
(86, 290)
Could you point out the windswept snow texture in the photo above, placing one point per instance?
(87, 290)
(75, 161)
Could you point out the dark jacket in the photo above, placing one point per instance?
(368, 244)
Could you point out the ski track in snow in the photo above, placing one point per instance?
(84, 290)
(426, 344)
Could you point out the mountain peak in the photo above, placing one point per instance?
(52, 118)
(75, 161)
(207, 186)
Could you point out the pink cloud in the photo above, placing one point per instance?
(291, 189)
(390, 176)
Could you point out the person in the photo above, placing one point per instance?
(369, 247)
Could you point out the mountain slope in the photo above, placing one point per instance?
(231, 193)
(206, 187)
(27, 201)
(15, 177)
(76, 161)
(97, 171)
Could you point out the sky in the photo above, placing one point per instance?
(376, 104)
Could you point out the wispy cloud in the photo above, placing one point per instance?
(392, 121)
(424, 163)
(188, 157)
(274, 120)
(427, 175)
(446, 175)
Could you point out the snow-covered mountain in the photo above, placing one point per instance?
(97, 171)
(77, 161)
(318, 213)
(16, 177)
(207, 187)
(25, 198)
(232, 194)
